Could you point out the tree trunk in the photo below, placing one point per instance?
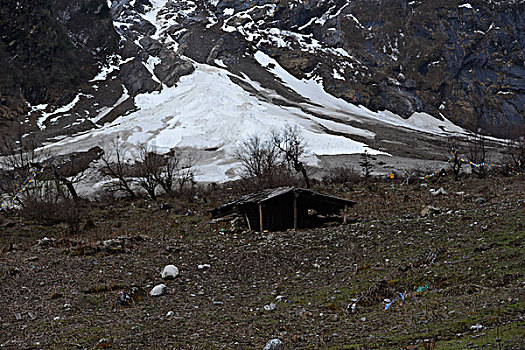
(300, 167)
(152, 194)
(127, 188)
(71, 189)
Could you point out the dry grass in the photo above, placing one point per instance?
(471, 256)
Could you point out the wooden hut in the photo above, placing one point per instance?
(283, 208)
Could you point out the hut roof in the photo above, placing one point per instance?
(314, 199)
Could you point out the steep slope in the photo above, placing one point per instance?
(460, 60)
(48, 49)
(354, 75)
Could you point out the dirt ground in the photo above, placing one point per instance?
(330, 285)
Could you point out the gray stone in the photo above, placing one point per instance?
(270, 307)
(158, 290)
(171, 68)
(274, 344)
(170, 272)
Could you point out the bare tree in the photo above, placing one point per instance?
(20, 166)
(70, 169)
(118, 169)
(147, 169)
(291, 145)
(516, 150)
(262, 164)
(177, 169)
(366, 163)
(257, 157)
(455, 155)
(478, 155)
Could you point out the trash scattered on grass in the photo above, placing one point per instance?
(476, 327)
(438, 192)
(394, 300)
(130, 296)
(423, 288)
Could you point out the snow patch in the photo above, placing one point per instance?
(314, 91)
(206, 110)
(467, 5)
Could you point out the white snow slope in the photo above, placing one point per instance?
(207, 111)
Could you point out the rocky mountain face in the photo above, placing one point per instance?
(462, 61)
(48, 49)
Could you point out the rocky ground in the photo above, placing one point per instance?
(323, 287)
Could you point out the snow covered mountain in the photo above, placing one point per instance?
(382, 76)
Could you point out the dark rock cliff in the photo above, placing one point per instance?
(463, 61)
(49, 48)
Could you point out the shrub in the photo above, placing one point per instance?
(342, 175)
(45, 212)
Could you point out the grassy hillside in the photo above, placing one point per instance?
(469, 257)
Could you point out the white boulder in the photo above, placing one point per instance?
(158, 290)
(170, 272)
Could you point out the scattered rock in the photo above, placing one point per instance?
(428, 210)
(46, 242)
(270, 307)
(480, 200)
(158, 290)
(170, 272)
(203, 266)
(274, 344)
(130, 296)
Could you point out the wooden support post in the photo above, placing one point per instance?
(345, 214)
(260, 217)
(247, 221)
(294, 212)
